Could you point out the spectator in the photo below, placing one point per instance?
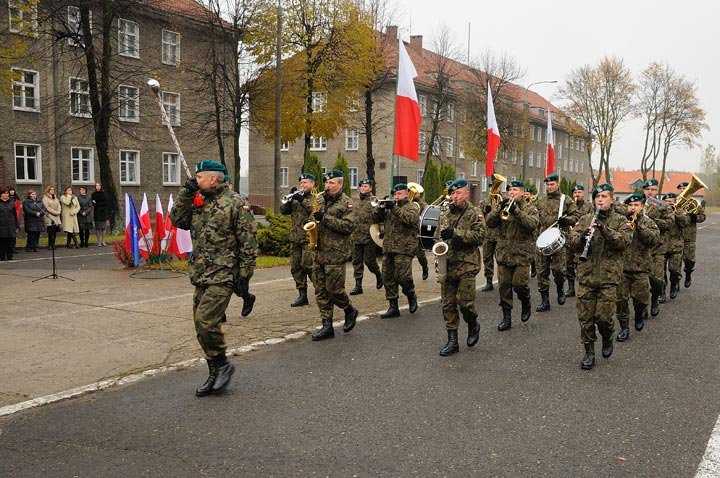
(85, 217)
(53, 223)
(18, 208)
(34, 224)
(8, 225)
(100, 213)
(70, 210)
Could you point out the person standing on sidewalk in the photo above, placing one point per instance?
(223, 232)
(34, 224)
(70, 210)
(363, 247)
(100, 213)
(85, 216)
(53, 210)
(8, 226)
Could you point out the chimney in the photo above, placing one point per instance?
(416, 42)
(392, 32)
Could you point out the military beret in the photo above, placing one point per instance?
(516, 183)
(635, 197)
(309, 176)
(601, 188)
(448, 183)
(335, 173)
(228, 179)
(670, 196)
(578, 187)
(683, 184)
(457, 184)
(210, 165)
(400, 187)
(551, 177)
(650, 182)
(369, 181)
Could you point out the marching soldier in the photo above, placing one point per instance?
(420, 254)
(463, 234)
(401, 218)
(335, 222)
(301, 258)
(554, 208)
(602, 238)
(690, 238)
(363, 246)
(584, 207)
(636, 267)
(663, 217)
(674, 247)
(528, 196)
(489, 247)
(515, 249)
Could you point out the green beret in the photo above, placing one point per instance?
(650, 182)
(528, 189)
(516, 183)
(457, 184)
(309, 176)
(400, 187)
(228, 179)
(683, 184)
(635, 197)
(335, 173)
(210, 165)
(578, 187)
(601, 188)
(551, 177)
(670, 196)
(448, 183)
(369, 181)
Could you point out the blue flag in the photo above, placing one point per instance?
(132, 231)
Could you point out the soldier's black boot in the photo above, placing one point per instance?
(640, 313)
(358, 287)
(425, 272)
(473, 333)
(489, 286)
(412, 302)
(689, 268)
(326, 332)
(225, 372)
(674, 288)
(301, 300)
(654, 305)
(378, 281)
(663, 297)
(526, 308)
(589, 359)
(248, 303)
(393, 310)
(624, 333)
(451, 347)
(571, 288)
(560, 285)
(607, 347)
(533, 269)
(351, 314)
(206, 388)
(506, 322)
(545, 301)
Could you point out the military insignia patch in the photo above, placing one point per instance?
(246, 208)
(198, 200)
(350, 206)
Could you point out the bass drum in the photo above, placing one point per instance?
(428, 224)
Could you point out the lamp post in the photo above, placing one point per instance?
(527, 112)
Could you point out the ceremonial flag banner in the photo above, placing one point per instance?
(159, 232)
(145, 215)
(407, 109)
(178, 241)
(493, 136)
(550, 162)
(132, 229)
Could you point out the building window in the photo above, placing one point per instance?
(80, 98)
(22, 17)
(128, 38)
(436, 146)
(514, 156)
(74, 27)
(352, 140)
(129, 98)
(353, 178)
(531, 158)
(483, 182)
(560, 150)
(422, 101)
(81, 165)
(171, 102)
(318, 143)
(26, 91)
(170, 169)
(421, 142)
(284, 177)
(28, 167)
(537, 185)
(582, 167)
(461, 175)
(473, 171)
(170, 47)
(571, 165)
(129, 167)
(449, 147)
(461, 150)
(319, 100)
(420, 175)
(450, 112)
(285, 146)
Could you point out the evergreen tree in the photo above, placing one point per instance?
(431, 182)
(447, 173)
(312, 165)
(342, 164)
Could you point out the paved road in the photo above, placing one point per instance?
(381, 402)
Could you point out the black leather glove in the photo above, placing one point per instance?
(513, 207)
(192, 185)
(503, 203)
(242, 287)
(318, 215)
(389, 204)
(487, 209)
(298, 196)
(693, 217)
(448, 233)
(599, 225)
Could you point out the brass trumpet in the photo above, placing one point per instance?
(505, 212)
(288, 197)
(381, 203)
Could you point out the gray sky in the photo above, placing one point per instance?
(553, 37)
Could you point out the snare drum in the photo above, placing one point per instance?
(550, 241)
(428, 224)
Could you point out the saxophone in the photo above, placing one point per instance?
(441, 248)
(311, 227)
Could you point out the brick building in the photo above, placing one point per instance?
(627, 182)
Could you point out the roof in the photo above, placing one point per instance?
(186, 8)
(623, 181)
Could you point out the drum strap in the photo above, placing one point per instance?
(461, 216)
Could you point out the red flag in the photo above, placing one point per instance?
(179, 242)
(550, 162)
(145, 227)
(159, 232)
(493, 136)
(407, 109)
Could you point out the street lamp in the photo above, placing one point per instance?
(527, 112)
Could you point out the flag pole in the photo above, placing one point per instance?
(392, 161)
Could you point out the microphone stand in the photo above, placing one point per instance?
(54, 274)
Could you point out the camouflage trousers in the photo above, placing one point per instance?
(301, 264)
(634, 285)
(657, 273)
(421, 257)
(689, 251)
(572, 259)
(596, 306)
(513, 278)
(330, 288)
(209, 304)
(397, 272)
(364, 254)
(546, 264)
(458, 292)
(488, 255)
(672, 264)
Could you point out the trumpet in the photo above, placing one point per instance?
(505, 212)
(441, 199)
(288, 197)
(381, 203)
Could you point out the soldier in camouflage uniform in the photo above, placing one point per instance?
(609, 234)
(549, 206)
(674, 247)
(335, 222)
(636, 267)
(663, 217)
(584, 207)
(690, 238)
(489, 246)
(463, 231)
(363, 246)
(515, 249)
(420, 254)
(301, 258)
(401, 219)
(223, 231)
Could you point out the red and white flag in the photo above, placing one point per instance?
(407, 108)
(159, 231)
(178, 241)
(550, 162)
(493, 136)
(145, 240)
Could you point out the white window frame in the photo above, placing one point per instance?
(531, 158)
(353, 178)
(449, 146)
(168, 45)
(13, 7)
(560, 150)
(124, 101)
(571, 165)
(461, 150)
(473, 168)
(86, 164)
(318, 143)
(436, 147)
(76, 95)
(74, 24)
(420, 175)
(23, 86)
(450, 112)
(514, 156)
(172, 109)
(460, 175)
(422, 142)
(540, 160)
(319, 100)
(284, 177)
(537, 185)
(422, 102)
(125, 37)
(352, 139)
(25, 158)
(285, 146)
(137, 167)
(167, 166)
(483, 182)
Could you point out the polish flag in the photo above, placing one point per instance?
(159, 232)
(128, 245)
(145, 242)
(178, 241)
(407, 109)
(493, 136)
(550, 162)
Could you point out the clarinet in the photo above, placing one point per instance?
(584, 255)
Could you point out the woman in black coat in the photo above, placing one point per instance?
(9, 225)
(33, 211)
(100, 213)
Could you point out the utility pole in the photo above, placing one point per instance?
(278, 98)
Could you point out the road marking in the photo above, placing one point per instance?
(710, 464)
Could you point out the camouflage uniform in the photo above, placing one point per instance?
(363, 246)
(489, 247)
(301, 258)
(334, 232)
(690, 239)
(674, 248)
(420, 254)
(548, 205)
(462, 262)
(664, 218)
(584, 207)
(599, 276)
(515, 249)
(223, 231)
